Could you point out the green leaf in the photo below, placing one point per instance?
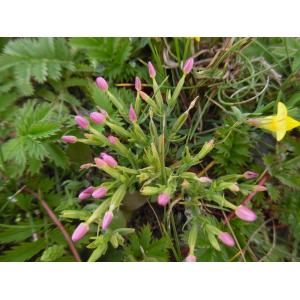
(23, 252)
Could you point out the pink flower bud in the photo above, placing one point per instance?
(107, 219)
(85, 194)
(227, 239)
(99, 193)
(82, 122)
(188, 66)
(191, 258)
(144, 95)
(98, 118)
(86, 166)
(69, 139)
(260, 188)
(112, 139)
(132, 115)
(250, 175)
(109, 160)
(204, 179)
(100, 163)
(163, 199)
(151, 70)
(102, 84)
(80, 232)
(245, 213)
(137, 84)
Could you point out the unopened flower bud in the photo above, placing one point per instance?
(112, 139)
(99, 193)
(80, 232)
(101, 83)
(85, 194)
(234, 187)
(132, 114)
(151, 70)
(250, 175)
(204, 179)
(107, 219)
(100, 163)
(137, 84)
(188, 65)
(109, 160)
(163, 199)
(191, 258)
(226, 238)
(82, 122)
(98, 118)
(245, 213)
(260, 188)
(143, 95)
(69, 139)
(86, 166)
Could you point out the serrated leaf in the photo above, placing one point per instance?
(23, 252)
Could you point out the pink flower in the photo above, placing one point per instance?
(69, 139)
(137, 84)
(98, 118)
(227, 239)
(102, 84)
(250, 175)
(151, 70)
(163, 199)
(80, 232)
(82, 122)
(132, 115)
(107, 219)
(245, 213)
(112, 139)
(100, 163)
(188, 66)
(191, 258)
(260, 188)
(99, 193)
(109, 160)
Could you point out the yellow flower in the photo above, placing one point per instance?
(279, 124)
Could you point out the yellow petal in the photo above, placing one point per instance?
(291, 123)
(268, 123)
(280, 134)
(281, 110)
